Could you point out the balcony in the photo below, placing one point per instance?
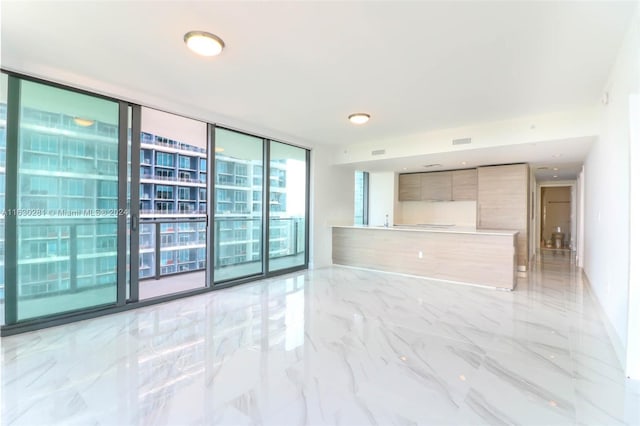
(168, 247)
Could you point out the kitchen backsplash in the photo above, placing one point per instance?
(460, 213)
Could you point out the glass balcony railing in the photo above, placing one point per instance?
(62, 257)
(239, 240)
(167, 246)
(172, 246)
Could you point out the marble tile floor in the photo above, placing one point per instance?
(332, 346)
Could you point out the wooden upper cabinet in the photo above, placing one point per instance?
(464, 185)
(457, 185)
(436, 186)
(409, 187)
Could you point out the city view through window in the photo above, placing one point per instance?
(68, 173)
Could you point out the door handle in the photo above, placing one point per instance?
(134, 222)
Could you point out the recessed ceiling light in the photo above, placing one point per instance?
(204, 43)
(557, 155)
(464, 163)
(359, 118)
(83, 122)
(555, 176)
(219, 149)
(555, 169)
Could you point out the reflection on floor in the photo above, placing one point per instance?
(171, 284)
(557, 252)
(331, 346)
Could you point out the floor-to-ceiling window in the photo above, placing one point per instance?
(108, 204)
(238, 224)
(3, 162)
(287, 206)
(65, 211)
(361, 198)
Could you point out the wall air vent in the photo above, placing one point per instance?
(378, 152)
(462, 141)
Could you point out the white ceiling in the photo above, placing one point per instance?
(543, 157)
(297, 69)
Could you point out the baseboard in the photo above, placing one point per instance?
(618, 347)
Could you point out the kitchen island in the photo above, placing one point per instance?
(449, 253)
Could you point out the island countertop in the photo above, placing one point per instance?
(452, 229)
(448, 253)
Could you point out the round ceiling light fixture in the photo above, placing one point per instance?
(204, 43)
(359, 118)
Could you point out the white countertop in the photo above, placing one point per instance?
(451, 229)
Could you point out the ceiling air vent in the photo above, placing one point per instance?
(428, 166)
(378, 152)
(462, 141)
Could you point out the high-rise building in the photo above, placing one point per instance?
(173, 205)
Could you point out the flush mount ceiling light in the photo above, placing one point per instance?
(359, 118)
(204, 43)
(83, 122)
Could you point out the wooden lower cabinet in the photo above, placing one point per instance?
(480, 258)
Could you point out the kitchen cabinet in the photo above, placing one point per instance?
(435, 186)
(464, 185)
(456, 185)
(503, 203)
(409, 187)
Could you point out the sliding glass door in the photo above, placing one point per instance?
(238, 223)
(287, 206)
(64, 215)
(108, 204)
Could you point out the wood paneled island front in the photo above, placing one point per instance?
(462, 255)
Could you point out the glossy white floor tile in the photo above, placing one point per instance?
(334, 346)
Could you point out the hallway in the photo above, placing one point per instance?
(331, 346)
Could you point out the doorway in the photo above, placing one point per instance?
(557, 228)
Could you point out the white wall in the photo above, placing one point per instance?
(606, 257)
(382, 195)
(332, 192)
(633, 329)
(633, 324)
(580, 219)
(461, 213)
